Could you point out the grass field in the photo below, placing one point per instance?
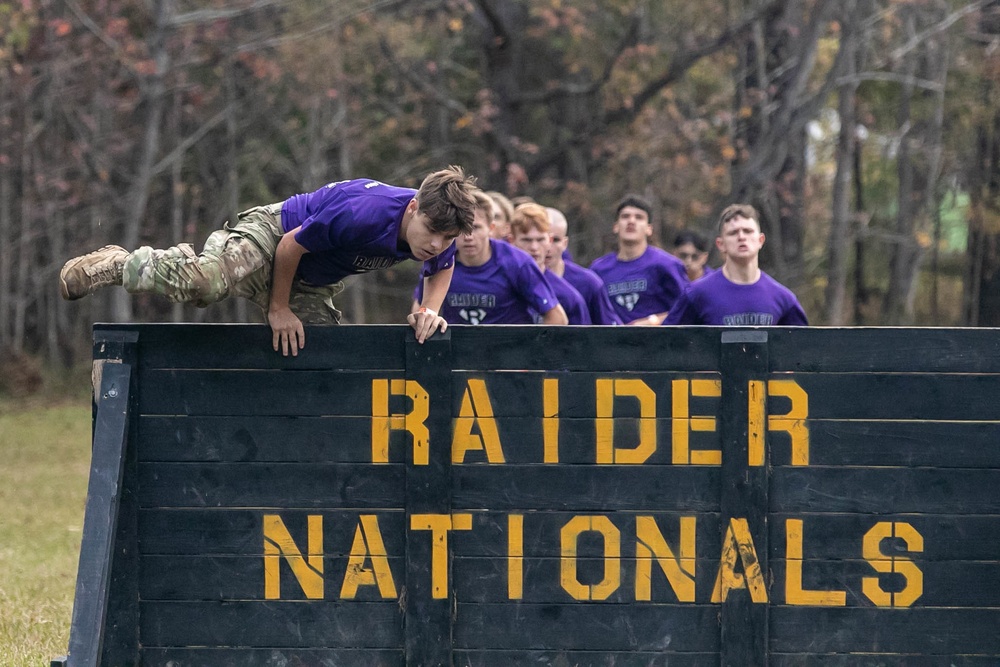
(44, 464)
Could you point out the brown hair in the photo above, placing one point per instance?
(636, 201)
(738, 211)
(446, 197)
(528, 217)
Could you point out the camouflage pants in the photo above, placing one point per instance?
(236, 261)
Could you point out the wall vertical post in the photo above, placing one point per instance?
(744, 620)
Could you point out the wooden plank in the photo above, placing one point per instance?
(939, 444)
(882, 350)
(277, 485)
(585, 348)
(744, 498)
(241, 578)
(248, 393)
(946, 537)
(940, 632)
(485, 580)
(521, 393)
(248, 346)
(269, 657)
(541, 532)
(886, 490)
(524, 440)
(880, 660)
(587, 489)
(235, 532)
(103, 586)
(502, 658)
(428, 598)
(587, 627)
(909, 396)
(271, 624)
(264, 439)
(949, 584)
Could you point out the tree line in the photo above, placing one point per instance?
(867, 133)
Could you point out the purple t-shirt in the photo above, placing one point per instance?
(569, 298)
(352, 227)
(714, 299)
(504, 290)
(591, 288)
(643, 286)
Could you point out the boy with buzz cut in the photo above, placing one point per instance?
(738, 294)
(643, 281)
(289, 258)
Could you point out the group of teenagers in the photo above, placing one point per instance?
(484, 261)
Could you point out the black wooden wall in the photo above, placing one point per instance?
(841, 486)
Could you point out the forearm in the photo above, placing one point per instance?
(436, 288)
(286, 262)
(555, 316)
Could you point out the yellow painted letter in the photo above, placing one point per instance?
(414, 422)
(794, 423)
(368, 544)
(881, 562)
(607, 391)
(515, 556)
(439, 525)
(794, 593)
(550, 420)
(476, 410)
(683, 423)
(739, 544)
(570, 534)
(650, 544)
(278, 544)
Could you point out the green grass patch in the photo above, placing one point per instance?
(44, 466)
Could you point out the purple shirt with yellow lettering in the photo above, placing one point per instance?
(352, 227)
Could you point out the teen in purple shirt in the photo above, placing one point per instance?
(739, 294)
(585, 281)
(530, 232)
(496, 283)
(642, 281)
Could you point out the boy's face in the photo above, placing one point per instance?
(694, 259)
(740, 239)
(501, 228)
(471, 247)
(536, 243)
(558, 245)
(423, 241)
(632, 224)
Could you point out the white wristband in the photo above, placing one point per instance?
(432, 313)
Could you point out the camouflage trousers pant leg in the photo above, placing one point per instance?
(236, 261)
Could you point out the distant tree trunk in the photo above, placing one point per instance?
(982, 291)
(7, 245)
(918, 167)
(155, 101)
(838, 243)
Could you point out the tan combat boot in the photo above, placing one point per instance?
(83, 275)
